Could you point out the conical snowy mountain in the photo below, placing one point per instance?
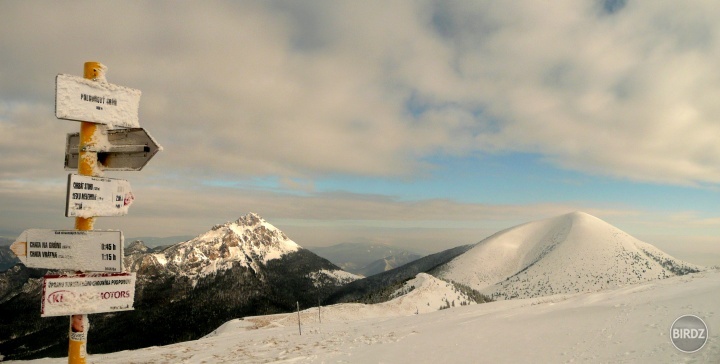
(571, 253)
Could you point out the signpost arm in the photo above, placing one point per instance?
(87, 166)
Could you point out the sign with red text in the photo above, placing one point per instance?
(80, 99)
(88, 251)
(89, 196)
(65, 295)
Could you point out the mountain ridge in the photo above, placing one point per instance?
(387, 263)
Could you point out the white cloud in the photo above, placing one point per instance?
(301, 91)
(626, 95)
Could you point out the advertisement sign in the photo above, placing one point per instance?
(65, 295)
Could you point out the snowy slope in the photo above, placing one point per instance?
(422, 294)
(427, 294)
(339, 277)
(571, 253)
(619, 325)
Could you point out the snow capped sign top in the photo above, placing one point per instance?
(80, 99)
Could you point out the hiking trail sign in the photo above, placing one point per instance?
(81, 99)
(89, 251)
(89, 196)
(118, 149)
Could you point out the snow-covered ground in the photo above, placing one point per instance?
(630, 324)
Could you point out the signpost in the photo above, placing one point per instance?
(82, 99)
(65, 295)
(89, 196)
(89, 251)
(92, 101)
(119, 149)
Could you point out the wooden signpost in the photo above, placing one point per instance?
(101, 107)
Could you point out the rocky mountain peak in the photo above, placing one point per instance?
(135, 247)
(251, 219)
(249, 241)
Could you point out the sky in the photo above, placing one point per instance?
(420, 124)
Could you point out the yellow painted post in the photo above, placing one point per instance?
(87, 166)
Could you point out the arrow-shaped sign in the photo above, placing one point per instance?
(118, 149)
(91, 251)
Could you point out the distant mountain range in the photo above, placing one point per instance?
(155, 242)
(366, 259)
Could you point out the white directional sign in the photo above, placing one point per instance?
(90, 251)
(119, 149)
(97, 196)
(80, 99)
(65, 295)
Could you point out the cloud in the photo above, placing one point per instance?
(273, 88)
(626, 95)
(31, 143)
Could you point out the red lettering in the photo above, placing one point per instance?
(116, 294)
(59, 296)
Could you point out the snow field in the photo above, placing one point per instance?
(623, 325)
